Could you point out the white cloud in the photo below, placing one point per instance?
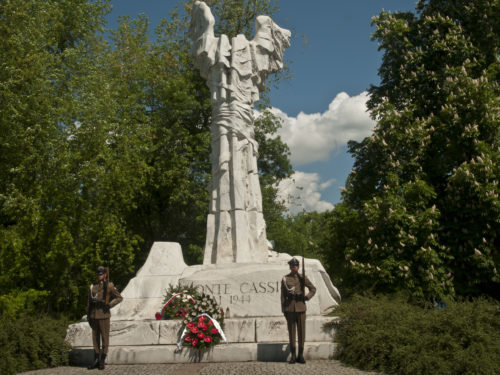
(302, 191)
(312, 137)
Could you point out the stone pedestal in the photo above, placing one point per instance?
(247, 289)
(249, 339)
(256, 330)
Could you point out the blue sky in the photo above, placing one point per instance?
(333, 63)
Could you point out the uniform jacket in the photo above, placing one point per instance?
(96, 293)
(290, 285)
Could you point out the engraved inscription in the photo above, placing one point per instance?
(236, 294)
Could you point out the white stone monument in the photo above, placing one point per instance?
(239, 269)
(236, 71)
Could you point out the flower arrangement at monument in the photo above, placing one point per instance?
(204, 324)
(203, 319)
(177, 303)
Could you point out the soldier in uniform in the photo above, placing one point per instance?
(294, 307)
(98, 315)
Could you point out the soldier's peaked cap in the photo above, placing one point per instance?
(100, 270)
(293, 262)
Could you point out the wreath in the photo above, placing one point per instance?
(203, 319)
(176, 307)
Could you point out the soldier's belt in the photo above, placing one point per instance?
(297, 297)
(99, 304)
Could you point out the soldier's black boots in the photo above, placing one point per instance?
(94, 364)
(300, 358)
(293, 358)
(101, 361)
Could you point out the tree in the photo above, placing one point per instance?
(46, 47)
(302, 234)
(421, 211)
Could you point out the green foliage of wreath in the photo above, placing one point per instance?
(179, 301)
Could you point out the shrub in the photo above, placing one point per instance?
(21, 302)
(30, 343)
(390, 335)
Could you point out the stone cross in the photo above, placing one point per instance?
(236, 72)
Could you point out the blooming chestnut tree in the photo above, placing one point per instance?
(421, 209)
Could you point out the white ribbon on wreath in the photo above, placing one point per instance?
(176, 296)
(216, 325)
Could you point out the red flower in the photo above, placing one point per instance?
(200, 324)
(158, 316)
(194, 342)
(210, 323)
(188, 338)
(215, 331)
(205, 327)
(201, 335)
(194, 330)
(190, 325)
(207, 339)
(202, 318)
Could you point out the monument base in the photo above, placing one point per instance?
(241, 352)
(249, 339)
(250, 292)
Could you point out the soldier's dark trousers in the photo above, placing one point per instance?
(296, 321)
(100, 334)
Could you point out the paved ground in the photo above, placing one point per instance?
(329, 367)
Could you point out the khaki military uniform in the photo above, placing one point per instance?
(99, 315)
(294, 307)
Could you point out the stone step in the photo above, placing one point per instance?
(234, 352)
(166, 332)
